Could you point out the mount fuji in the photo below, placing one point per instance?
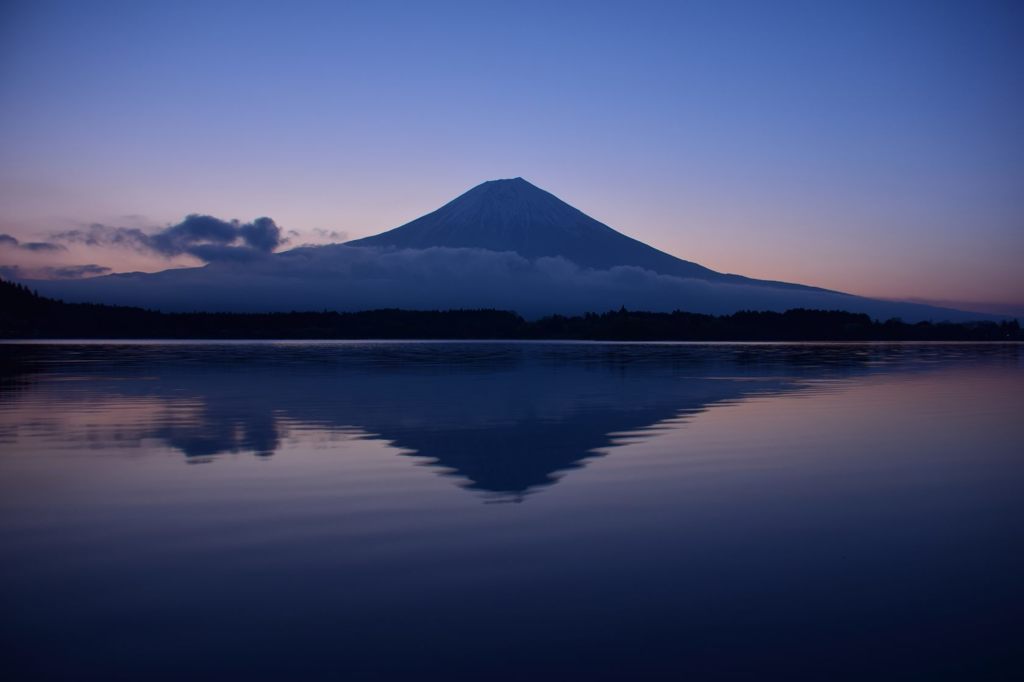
(514, 215)
(503, 244)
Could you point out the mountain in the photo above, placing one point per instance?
(515, 215)
(505, 244)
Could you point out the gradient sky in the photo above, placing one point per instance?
(875, 148)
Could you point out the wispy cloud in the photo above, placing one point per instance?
(7, 241)
(205, 237)
(53, 272)
(333, 235)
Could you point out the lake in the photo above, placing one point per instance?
(511, 511)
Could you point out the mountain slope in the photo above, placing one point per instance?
(514, 215)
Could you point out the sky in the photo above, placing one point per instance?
(872, 147)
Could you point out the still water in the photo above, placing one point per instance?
(493, 511)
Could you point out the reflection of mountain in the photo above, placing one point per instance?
(504, 430)
(502, 418)
(518, 443)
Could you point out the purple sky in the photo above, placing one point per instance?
(874, 148)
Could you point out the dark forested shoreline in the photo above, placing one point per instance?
(26, 315)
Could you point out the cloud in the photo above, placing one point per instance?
(79, 271)
(8, 241)
(53, 272)
(333, 235)
(261, 234)
(41, 246)
(205, 237)
(104, 235)
(194, 230)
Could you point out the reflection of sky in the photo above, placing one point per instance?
(873, 150)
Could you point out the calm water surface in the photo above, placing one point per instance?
(511, 511)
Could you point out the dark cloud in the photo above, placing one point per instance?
(214, 253)
(194, 230)
(53, 272)
(261, 234)
(208, 238)
(12, 242)
(42, 246)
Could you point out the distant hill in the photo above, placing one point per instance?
(26, 315)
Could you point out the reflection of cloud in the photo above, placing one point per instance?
(202, 236)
